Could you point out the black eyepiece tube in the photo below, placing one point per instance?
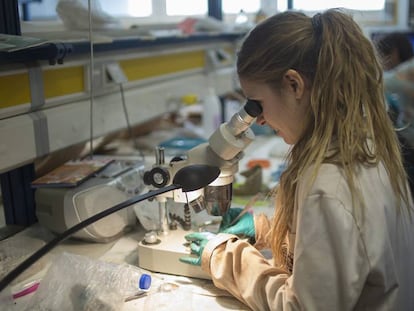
(253, 108)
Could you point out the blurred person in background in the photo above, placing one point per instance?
(396, 53)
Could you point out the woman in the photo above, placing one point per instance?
(394, 48)
(342, 235)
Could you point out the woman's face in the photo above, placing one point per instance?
(284, 110)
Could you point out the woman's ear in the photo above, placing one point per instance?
(294, 81)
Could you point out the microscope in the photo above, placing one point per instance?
(160, 250)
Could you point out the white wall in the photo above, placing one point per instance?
(46, 10)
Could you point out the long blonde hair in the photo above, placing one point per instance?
(347, 101)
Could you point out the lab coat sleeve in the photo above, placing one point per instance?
(262, 229)
(329, 264)
(239, 268)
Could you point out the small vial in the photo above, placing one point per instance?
(144, 282)
(132, 281)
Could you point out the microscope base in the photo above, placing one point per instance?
(164, 256)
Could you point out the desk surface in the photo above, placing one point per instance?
(191, 294)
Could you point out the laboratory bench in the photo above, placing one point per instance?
(47, 92)
(200, 294)
(188, 294)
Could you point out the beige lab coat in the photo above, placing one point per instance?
(343, 259)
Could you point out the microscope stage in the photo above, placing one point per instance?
(164, 256)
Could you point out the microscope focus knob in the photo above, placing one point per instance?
(157, 177)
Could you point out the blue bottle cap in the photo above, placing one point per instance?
(145, 281)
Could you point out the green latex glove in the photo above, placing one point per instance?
(198, 242)
(244, 226)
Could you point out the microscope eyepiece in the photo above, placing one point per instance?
(243, 119)
(253, 108)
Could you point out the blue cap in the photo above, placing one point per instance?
(145, 281)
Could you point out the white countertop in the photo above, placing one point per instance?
(190, 294)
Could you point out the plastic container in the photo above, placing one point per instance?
(180, 145)
(133, 282)
(75, 282)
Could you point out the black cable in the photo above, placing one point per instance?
(91, 84)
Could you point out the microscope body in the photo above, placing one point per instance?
(161, 250)
(224, 150)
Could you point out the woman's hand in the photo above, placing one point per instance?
(243, 226)
(198, 241)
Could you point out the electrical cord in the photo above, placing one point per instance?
(91, 86)
(131, 136)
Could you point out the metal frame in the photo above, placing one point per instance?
(9, 17)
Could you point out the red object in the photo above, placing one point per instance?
(258, 162)
(187, 26)
(26, 291)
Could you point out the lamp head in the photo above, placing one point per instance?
(196, 176)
